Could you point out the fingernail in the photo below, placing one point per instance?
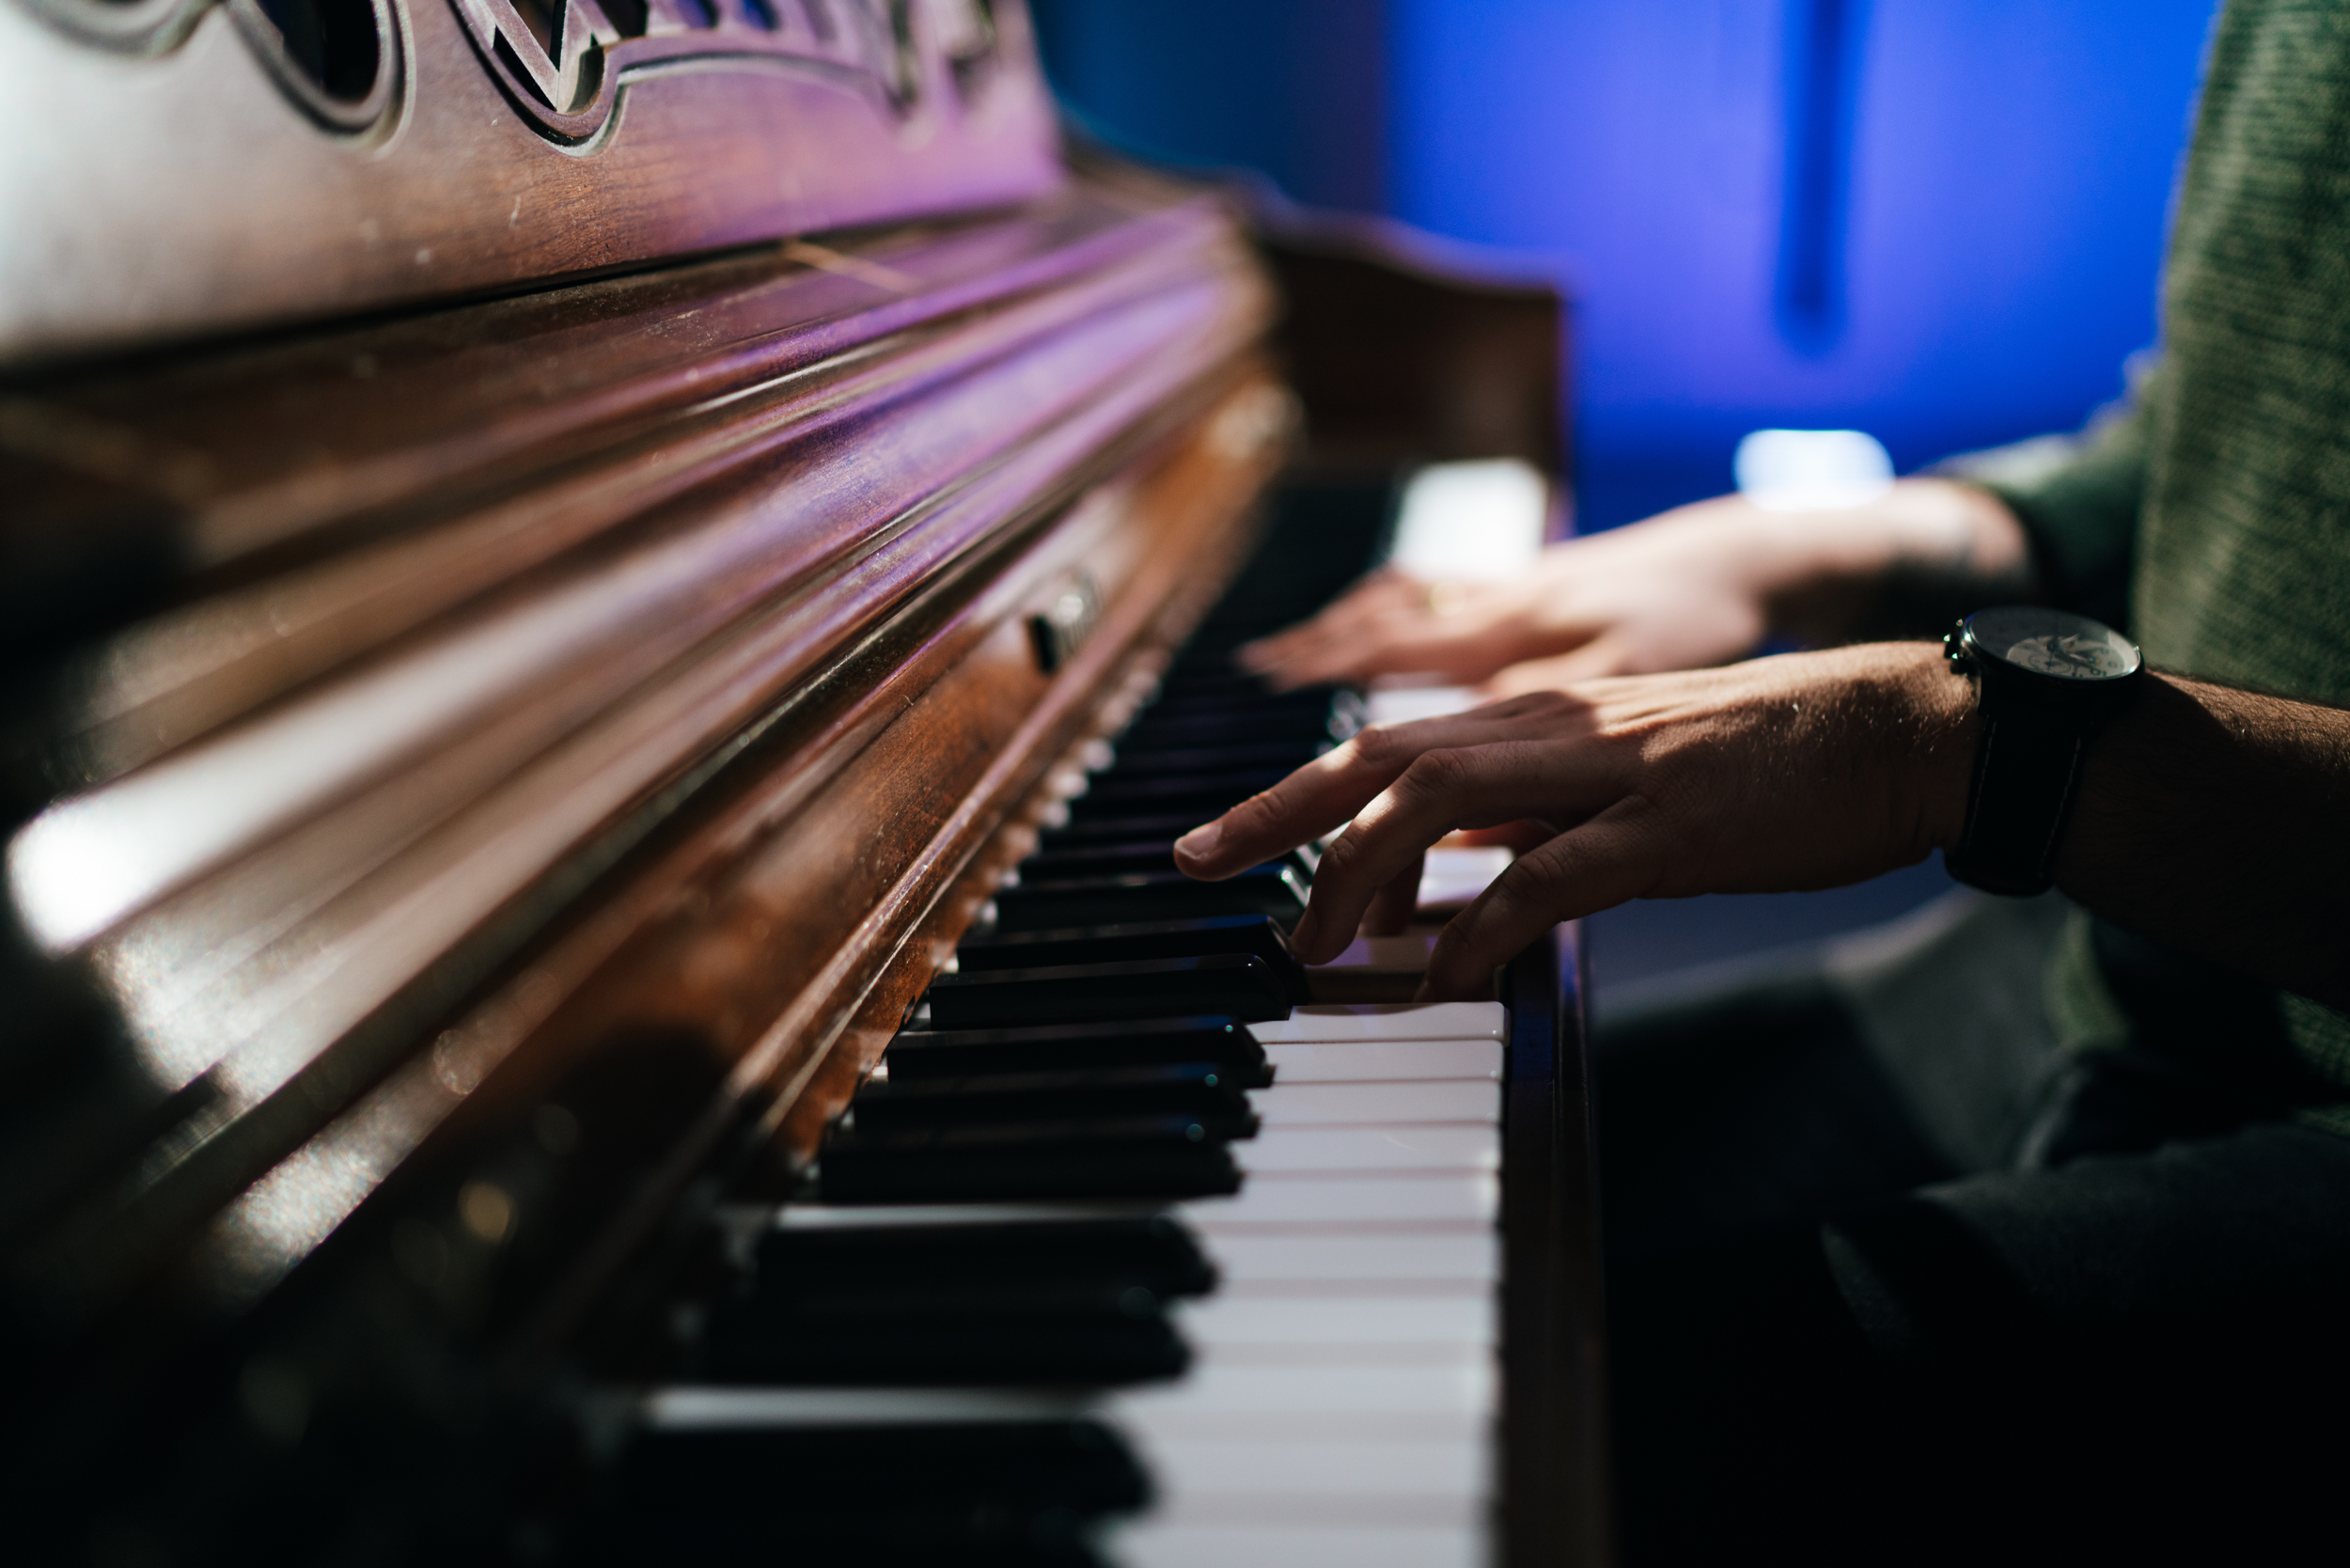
(1199, 842)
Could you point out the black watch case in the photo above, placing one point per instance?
(2045, 681)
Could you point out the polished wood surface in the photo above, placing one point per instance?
(322, 806)
(417, 156)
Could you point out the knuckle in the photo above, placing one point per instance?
(1378, 745)
(1339, 858)
(1437, 773)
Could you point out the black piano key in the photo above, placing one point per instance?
(1036, 950)
(806, 1263)
(1210, 731)
(1199, 1091)
(1128, 858)
(1136, 756)
(976, 1492)
(1159, 827)
(1274, 889)
(1122, 794)
(1242, 985)
(1103, 1348)
(1052, 1301)
(1164, 1157)
(918, 1054)
(1119, 859)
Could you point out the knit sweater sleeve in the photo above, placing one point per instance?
(2078, 501)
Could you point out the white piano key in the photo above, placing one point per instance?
(1221, 1321)
(1187, 1467)
(1299, 1201)
(1208, 1545)
(888, 1216)
(1462, 1388)
(1373, 1060)
(1470, 1253)
(1433, 1100)
(688, 1406)
(1389, 1021)
(1439, 1147)
(1450, 878)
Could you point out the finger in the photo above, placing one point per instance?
(1397, 901)
(1608, 860)
(1381, 592)
(1406, 642)
(1438, 791)
(1324, 795)
(1604, 655)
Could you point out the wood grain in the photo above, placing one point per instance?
(168, 185)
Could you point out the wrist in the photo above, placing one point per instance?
(1944, 726)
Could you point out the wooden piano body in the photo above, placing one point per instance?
(554, 557)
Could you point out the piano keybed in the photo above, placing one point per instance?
(1232, 1257)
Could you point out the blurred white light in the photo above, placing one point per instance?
(1811, 470)
(1471, 522)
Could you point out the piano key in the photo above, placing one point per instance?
(1198, 1091)
(935, 1243)
(1124, 857)
(1158, 826)
(1042, 1342)
(1115, 792)
(1228, 933)
(1368, 1062)
(1464, 1388)
(1457, 1146)
(1144, 753)
(989, 1489)
(1389, 1021)
(1219, 1323)
(1156, 1157)
(1326, 1470)
(1338, 1201)
(1273, 890)
(1325, 1104)
(1240, 985)
(1184, 1545)
(1469, 1253)
(920, 1054)
(697, 1407)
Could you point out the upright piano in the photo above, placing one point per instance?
(609, 607)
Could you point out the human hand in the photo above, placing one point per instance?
(1697, 586)
(1670, 593)
(1806, 770)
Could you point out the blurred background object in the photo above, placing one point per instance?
(1940, 222)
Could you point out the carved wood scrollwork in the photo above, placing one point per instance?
(563, 63)
(340, 62)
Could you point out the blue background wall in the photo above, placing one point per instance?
(1986, 197)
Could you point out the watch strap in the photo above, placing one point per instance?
(2026, 767)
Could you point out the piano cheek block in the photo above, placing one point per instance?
(1239, 985)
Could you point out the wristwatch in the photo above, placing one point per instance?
(2045, 682)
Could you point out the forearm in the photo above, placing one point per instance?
(2215, 820)
(1907, 563)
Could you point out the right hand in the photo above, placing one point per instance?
(1679, 591)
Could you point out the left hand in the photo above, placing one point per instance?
(1803, 771)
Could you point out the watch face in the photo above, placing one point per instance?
(2054, 642)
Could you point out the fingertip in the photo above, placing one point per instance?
(1193, 849)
